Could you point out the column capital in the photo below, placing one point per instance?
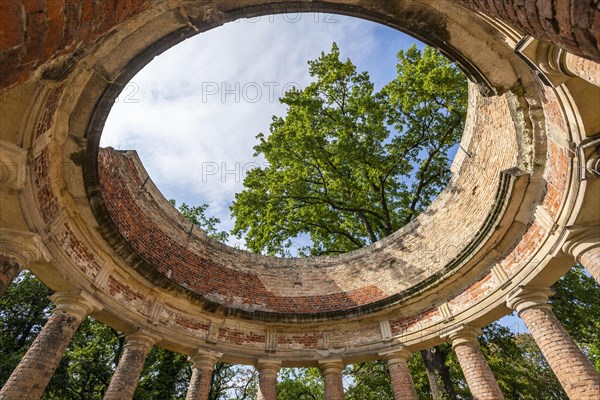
(396, 356)
(268, 367)
(462, 334)
(79, 303)
(141, 340)
(582, 243)
(23, 247)
(203, 358)
(331, 366)
(525, 297)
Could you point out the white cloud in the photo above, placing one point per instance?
(195, 138)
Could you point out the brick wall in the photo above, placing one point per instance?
(34, 32)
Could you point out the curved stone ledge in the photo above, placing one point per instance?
(500, 244)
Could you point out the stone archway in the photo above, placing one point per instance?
(530, 136)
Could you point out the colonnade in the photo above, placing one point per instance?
(574, 372)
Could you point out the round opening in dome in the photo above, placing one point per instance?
(193, 115)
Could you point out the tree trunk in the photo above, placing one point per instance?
(438, 373)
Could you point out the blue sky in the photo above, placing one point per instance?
(193, 113)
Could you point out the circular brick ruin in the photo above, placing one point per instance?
(519, 210)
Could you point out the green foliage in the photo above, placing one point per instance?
(368, 381)
(337, 172)
(197, 215)
(88, 363)
(518, 365)
(24, 309)
(577, 306)
(300, 384)
(166, 375)
(229, 380)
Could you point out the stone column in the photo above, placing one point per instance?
(590, 259)
(477, 372)
(583, 68)
(125, 379)
(202, 370)
(9, 269)
(402, 383)
(17, 252)
(586, 251)
(267, 379)
(574, 372)
(332, 372)
(30, 378)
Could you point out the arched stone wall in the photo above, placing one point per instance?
(92, 222)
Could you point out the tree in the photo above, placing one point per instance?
(577, 305)
(349, 166)
(24, 310)
(90, 360)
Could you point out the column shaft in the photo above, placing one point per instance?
(583, 68)
(267, 387)
(125, 379)
(574, 372)
(199, 387)
(479, 376)
(332, 373)
(402, 383)
(590, 259)
(30, 378)
(477, 372)
(267, 379)
(202, 370)
(9, 269)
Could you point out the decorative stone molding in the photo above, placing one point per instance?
(271, 339)
(446, 312)
(268, 367)
(331, 366)
(204, 358)
(141, 339)
(396, 356)
(501, 276)
(555, 65)
(12, 166)
(79, 303)
(386, 331)
(588, 152)
(213, 333)
(523, 298)
(582, 239)
(26, 247)
(463, 334)
(380, 284)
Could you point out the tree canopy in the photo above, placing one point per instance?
(349, 165)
